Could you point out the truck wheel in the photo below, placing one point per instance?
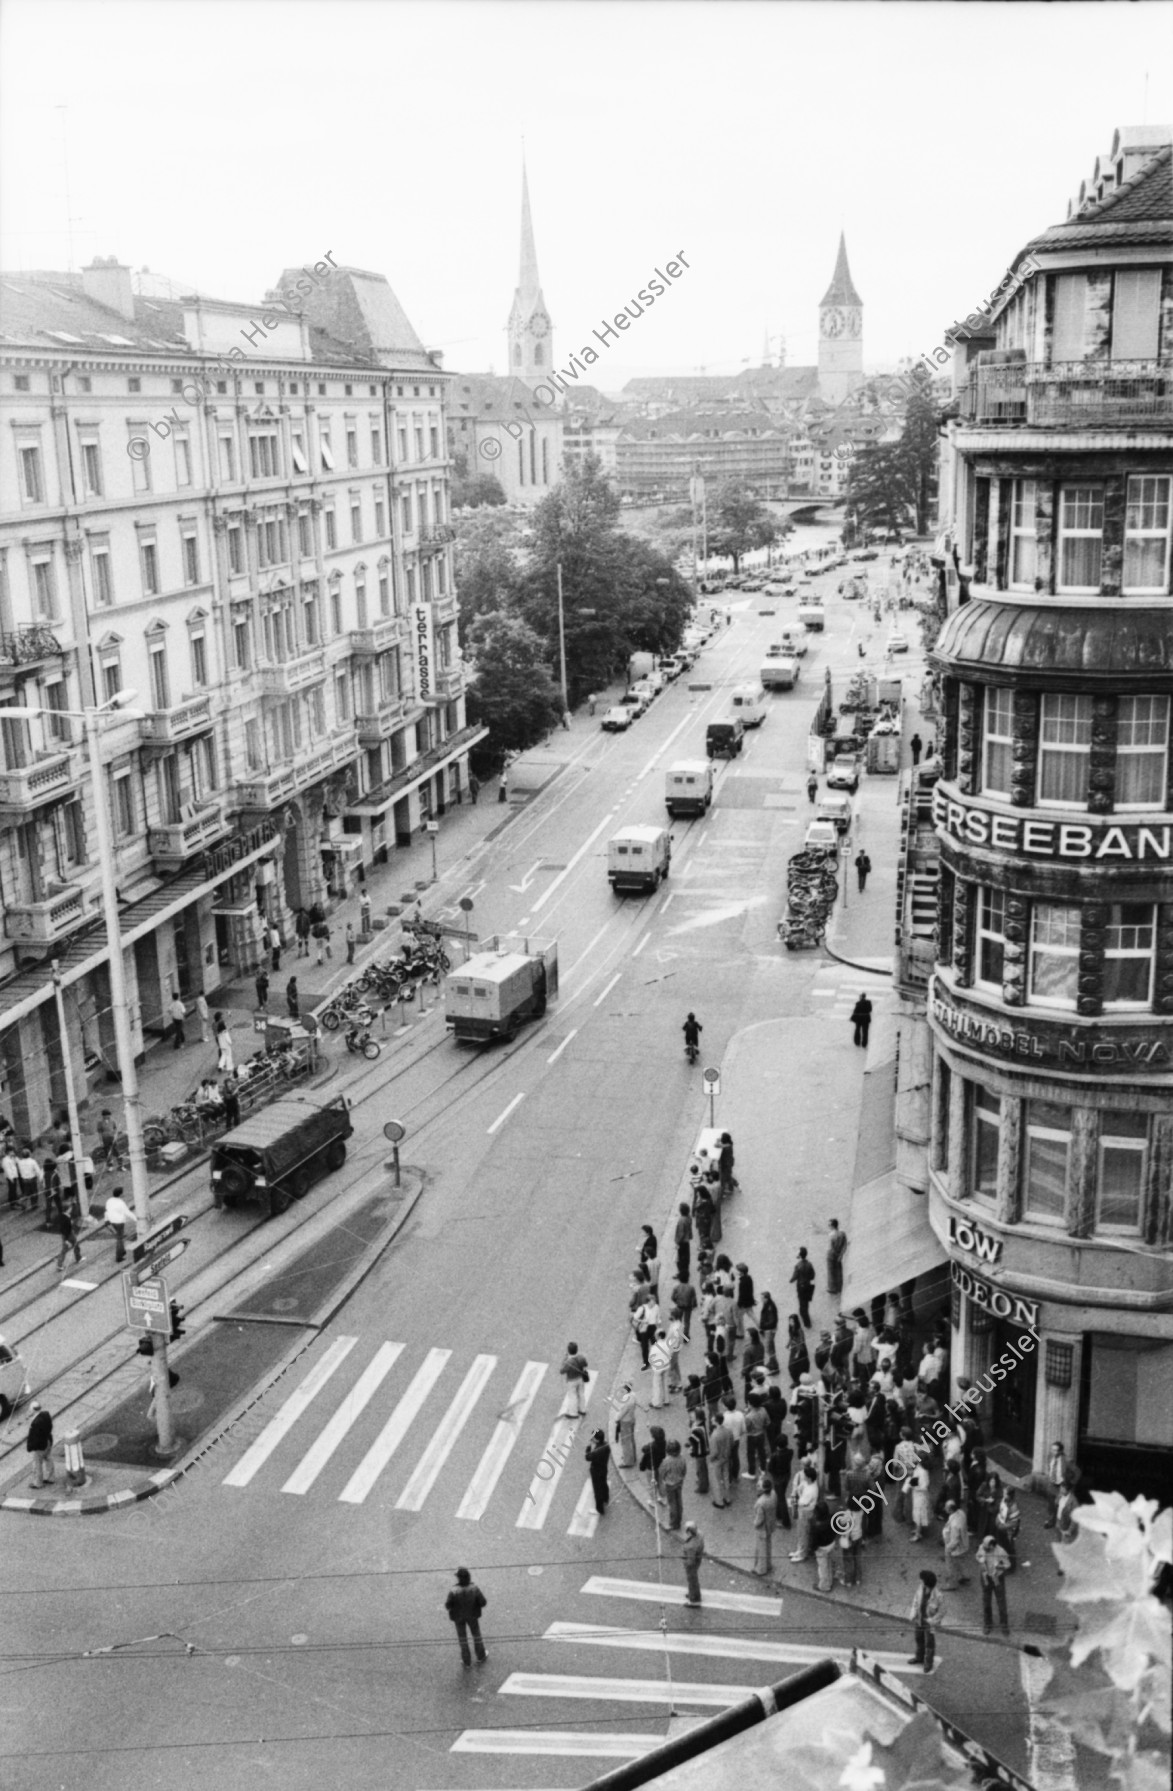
(5, 1407)
(299, 1183)
(336, 1155)
(278, 1199)
(234, 1181)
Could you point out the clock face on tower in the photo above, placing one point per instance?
(539, 325)
(834, 321)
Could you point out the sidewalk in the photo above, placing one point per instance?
(792, 1096)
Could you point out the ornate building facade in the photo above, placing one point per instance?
(1049, 1162)
(239, 512)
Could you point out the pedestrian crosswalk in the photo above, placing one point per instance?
(760, 1657)
(379, 1417)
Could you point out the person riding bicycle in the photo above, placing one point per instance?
(692, 1030)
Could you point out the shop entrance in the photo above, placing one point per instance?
(1014, 1397)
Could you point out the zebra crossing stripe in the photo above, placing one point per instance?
(623, 1691)
(586, 1519)
(745, 1602)
(395, 1429)
(352, 1407)
(258, 1453)
(445, 1435)
(483, 1483)
(714, 1645)
(554, 1741)
(554, 1457)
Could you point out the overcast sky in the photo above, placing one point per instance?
(221, 140)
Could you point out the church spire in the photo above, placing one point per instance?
(531, 346)
(841, 291)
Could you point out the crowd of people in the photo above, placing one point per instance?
(823, 1433)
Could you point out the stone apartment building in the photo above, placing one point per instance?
(239, 512)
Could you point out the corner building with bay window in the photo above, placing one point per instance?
(1050, 1003)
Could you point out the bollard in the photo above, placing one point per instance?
(75, 1461)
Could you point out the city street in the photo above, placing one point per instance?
(290, 1587)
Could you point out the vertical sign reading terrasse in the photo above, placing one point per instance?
(425, 648)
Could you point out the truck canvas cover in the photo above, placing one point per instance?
(283, 1133)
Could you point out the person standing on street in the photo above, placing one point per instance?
(262, 987)
(720, 1450)
(659, 1361)
(292, 999)
(474, 787)
(225, 1061)
(692, 1554)
(178, 1014)
(574, 1373)
(836, 1245)
(725, 1167)
(231, 1100)
(364, 910)
(803, 1278)
(812, 787)
(464, 1605)
(924, 1617)
(683, 1239)
(684, 1300)
(118, 1216)
(322, 941)
(301, 927)
(625, 1409)
(698, 1448)
(861, 1019)
(598, 1454)
(65, 1225)
(674, 1338)
(204, 1017)
(1056, 1471)
(673, 1470)
(863, 865)
(351, 941)
(768, 1326)
(916, 747)
(994, 1564)
(274, 941)
(11, 1176)
(39, 1444)
(765, 1522)
(955, 1542)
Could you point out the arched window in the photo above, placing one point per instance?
(517, 353)
(537, 354)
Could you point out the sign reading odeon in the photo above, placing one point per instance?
(1122, 842)
(993, 1299)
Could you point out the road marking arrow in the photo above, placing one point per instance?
(520, 888)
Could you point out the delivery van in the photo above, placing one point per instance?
(779, 673)
(748, 706)
(724, 739)
(813, 616)
(688, 787)
(638, 858)
(278, 1152)
(492, 995)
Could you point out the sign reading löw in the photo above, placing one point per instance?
(423, 633)
(968, 1236)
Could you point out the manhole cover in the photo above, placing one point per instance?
(284, 1303)
(100, 1443)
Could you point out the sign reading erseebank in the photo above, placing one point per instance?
(1121, 842)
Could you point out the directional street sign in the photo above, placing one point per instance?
(158, 1262)
(146, 1246)
(146, 1305)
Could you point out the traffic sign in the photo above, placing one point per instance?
(394, 1131)
(157, 1263)
(147, 1244)
(712, 1082)
(146, 1305)
(466, 904)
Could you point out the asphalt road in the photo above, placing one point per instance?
(277, 1617)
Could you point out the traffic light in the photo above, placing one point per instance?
(177, 1313)
(146, 1346)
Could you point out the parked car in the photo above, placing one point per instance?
(822, 836)
(843, 772)
(14, 1381)
(617, 720)
(636, 701)
(897, 642)
(647, 690)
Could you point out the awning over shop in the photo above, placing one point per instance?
(376, 802)
(890, 1240)
(86, 949)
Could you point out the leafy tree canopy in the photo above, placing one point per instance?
(741, 523)
(511, 692)
(486, 568)
(472, 494)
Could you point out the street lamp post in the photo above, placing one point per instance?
(562, 644)
(70, 1096)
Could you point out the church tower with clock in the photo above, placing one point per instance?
(531, 338)
(840, 335)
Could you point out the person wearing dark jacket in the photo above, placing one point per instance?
(861, 1019)
(464, 1605)
(797, 1359)
(39, 1445)
(598, 1455)
(802, 1277)
(652, 1454)
(768, 1326)
(69, 1241)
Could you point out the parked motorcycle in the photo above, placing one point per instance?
(361, 1043)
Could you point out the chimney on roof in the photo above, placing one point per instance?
(107, 282)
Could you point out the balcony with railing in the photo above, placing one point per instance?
(447, 682)
(286, 676)
(440, 536)
(386, 632)
(308, 766)
(27, 787)
(445, 609)
(182, 721)
(43, 923)
(1069, 394)
(29, 647)
(173, 843)
(376, 724)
